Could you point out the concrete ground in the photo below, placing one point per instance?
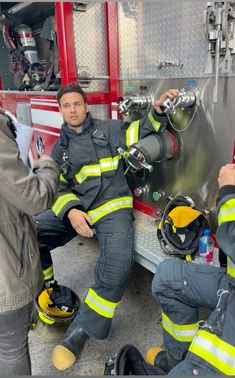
(137, 319)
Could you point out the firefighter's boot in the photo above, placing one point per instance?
(65, 354)
(159, 357)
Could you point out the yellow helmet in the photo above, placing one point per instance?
(57, 303)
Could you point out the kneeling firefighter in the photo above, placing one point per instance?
(193, 347)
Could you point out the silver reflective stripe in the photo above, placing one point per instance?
(179, 332)
(230, 267)
(110, 206)
(216, 351)
(132, 133)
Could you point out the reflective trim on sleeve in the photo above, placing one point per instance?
(62, 179)
(217, 352)
(230, 267)
(180, 332)
(227, 211)
(132, 133)
(109, 207)
(48, 273)
(100, 305)
(62, 200)
(155, 124)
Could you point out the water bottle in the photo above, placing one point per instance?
(206, 248)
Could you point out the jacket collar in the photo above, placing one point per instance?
(68, 133)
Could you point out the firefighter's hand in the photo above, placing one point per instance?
(227, 175)
(171, 93)
(79, 221)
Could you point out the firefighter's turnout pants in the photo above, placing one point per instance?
(181, 288)
(112, 271)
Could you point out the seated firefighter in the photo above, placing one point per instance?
(93, 193)
(204, 347)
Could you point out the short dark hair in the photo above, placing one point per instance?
(69, 89)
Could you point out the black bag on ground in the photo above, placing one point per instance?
(129, 361)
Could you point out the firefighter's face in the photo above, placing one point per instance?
(73, 109)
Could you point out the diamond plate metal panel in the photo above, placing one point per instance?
(157, 31)
(146, 244)
(99, 111)
(90, 47)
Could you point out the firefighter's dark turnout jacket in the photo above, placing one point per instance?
(93, 181)
(182, 287)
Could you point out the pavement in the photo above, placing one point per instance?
(137, 320)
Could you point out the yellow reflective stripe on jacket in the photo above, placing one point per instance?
(109, 207)
(63, 179)
(62, 201)
(109, 164)
(100, 305)
(230, 267)
(132, 133)
(180, 332)
(48, 273)
(154, 123)
(227, 211)
(88, 170)
(215, 351)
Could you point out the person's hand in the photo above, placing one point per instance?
(227, 175)
(171, 93)
(78, 220)
(45, 157)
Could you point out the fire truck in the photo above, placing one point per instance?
(124, 54)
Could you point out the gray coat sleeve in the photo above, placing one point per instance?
(31, 191)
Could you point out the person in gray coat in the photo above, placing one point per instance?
(23, 193)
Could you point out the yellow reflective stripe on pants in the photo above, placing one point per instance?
(109, 164)
(180, 332)
(227, 211)
(100, 305)
(88, 170)
(48, 273)
(62, 201)
(154, 123)
(132, 133)
(230, 267)
(109, 207)
(217, 352)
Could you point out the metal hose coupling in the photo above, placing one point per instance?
(153, 148)
(127, 105)
(185, 99)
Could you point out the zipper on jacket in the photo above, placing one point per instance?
(22, 255)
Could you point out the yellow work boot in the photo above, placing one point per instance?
(66, 353)
(62, 358)
(159, 357)
(151, 354)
